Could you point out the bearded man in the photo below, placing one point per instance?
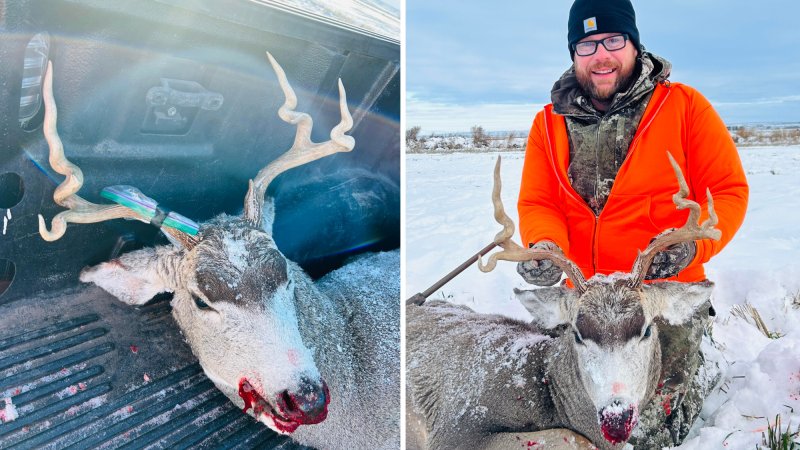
(597, 182)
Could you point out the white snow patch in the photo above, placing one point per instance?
(9, 413)
(480, 411)
(611, 278)
(88, 405)
(237, 252)
(613, 410)
(64, 372)
(6, 219)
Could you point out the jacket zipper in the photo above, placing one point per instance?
(646, 126)
(595, 257)
(568, 189)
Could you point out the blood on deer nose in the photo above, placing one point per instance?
(308, 404)
(618, 420)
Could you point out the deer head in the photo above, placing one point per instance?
(235, 294)
(608, 324)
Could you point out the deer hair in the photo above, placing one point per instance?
(80, 210)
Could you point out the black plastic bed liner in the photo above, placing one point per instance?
(83, 370)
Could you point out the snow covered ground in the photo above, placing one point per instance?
(449, 218)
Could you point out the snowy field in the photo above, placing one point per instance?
(449, 218)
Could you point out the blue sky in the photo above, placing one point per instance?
(493, 63)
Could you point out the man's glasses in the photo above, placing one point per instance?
(611, 43)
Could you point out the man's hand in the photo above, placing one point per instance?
(540, 273)
(670, 261)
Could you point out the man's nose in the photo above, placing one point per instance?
(602, 52)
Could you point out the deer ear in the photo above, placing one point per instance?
(136, 277)
(549, 306)
(676, 302)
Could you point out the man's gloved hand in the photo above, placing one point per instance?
(668, 262)
(540, 273)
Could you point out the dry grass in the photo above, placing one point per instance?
(747, 136)
(745, 133)
(751, 315)
(794, 299)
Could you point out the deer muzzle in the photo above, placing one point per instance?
(305, 405)
(618, 420)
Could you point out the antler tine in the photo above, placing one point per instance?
(303, 150)
(499, 211)
(80, 210)
(692, 230)
(516, 253)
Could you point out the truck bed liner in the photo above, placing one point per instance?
(83, 370)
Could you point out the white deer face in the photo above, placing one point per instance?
(614, 340)
(617, 350)
(234, 300)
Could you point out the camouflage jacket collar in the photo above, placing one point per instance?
(569, 99)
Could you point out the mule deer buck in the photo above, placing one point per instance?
(319, 360)
(589, 361)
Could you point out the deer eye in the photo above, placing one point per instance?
(200, 303)
(647, 332)
(578, 339)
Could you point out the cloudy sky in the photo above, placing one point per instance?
(474, 62)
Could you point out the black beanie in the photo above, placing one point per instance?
(588, 17)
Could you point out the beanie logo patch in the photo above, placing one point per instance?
(590, 24)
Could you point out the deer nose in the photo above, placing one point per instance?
(618, 420)
(308, 404)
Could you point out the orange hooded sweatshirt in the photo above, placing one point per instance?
(677, 119)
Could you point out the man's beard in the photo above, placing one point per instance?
(623, 81)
